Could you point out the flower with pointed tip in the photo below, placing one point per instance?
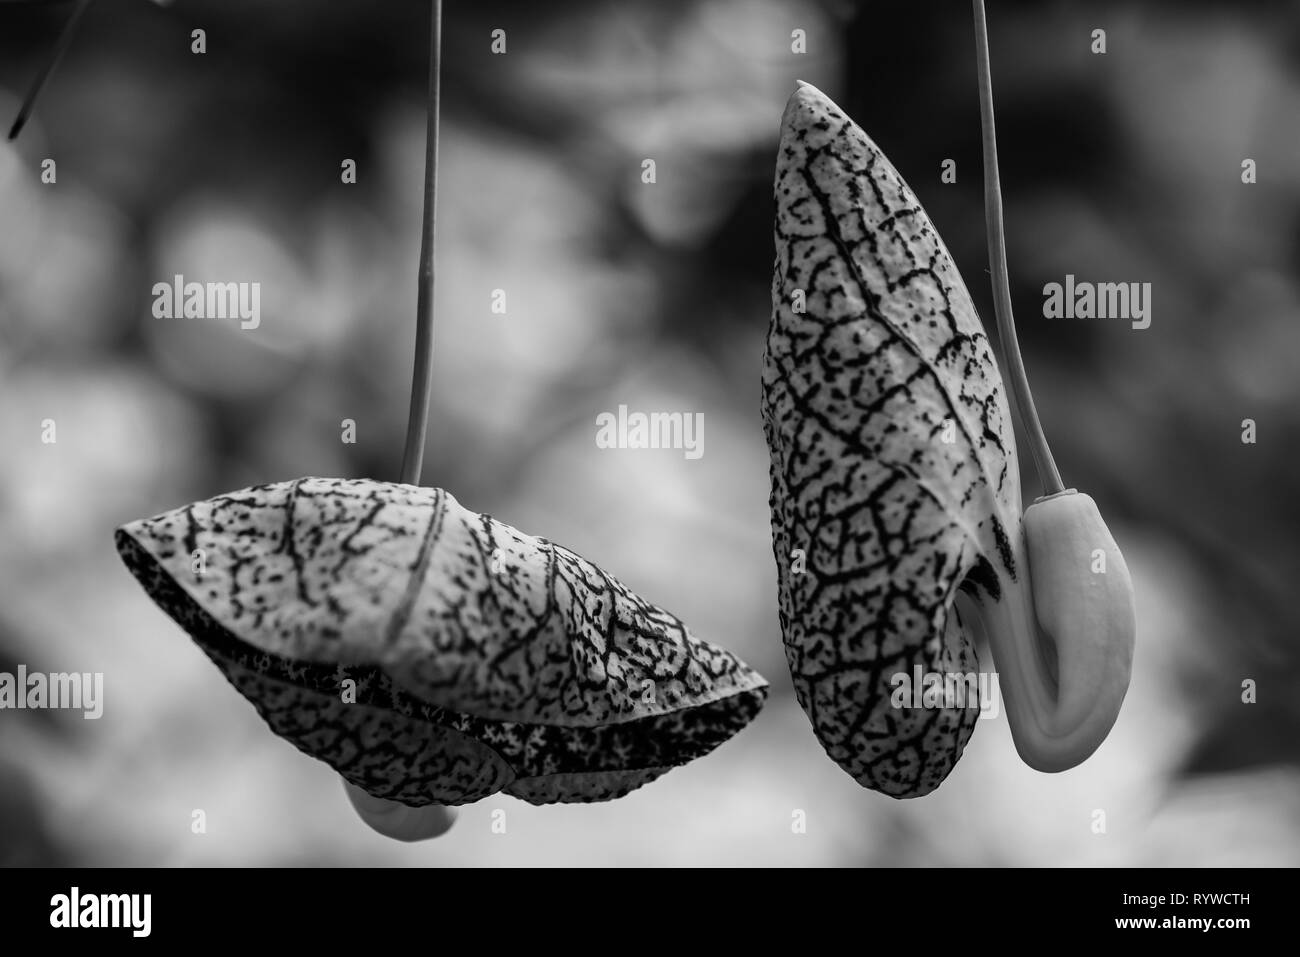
(894, 471)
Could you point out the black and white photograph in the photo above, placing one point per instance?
(744, 434)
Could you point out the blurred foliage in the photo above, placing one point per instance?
(1122, 167)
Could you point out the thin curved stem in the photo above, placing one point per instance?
(1015, 366)
(422, 378)
(60, 48)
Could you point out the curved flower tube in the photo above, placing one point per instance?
(1063, 645)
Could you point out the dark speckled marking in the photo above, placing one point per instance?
(530, 679)
(856, 394)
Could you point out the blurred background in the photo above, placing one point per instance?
(226, 166)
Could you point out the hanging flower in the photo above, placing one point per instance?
(432, 655)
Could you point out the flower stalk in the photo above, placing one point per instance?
(422, 378)
(1048, 475)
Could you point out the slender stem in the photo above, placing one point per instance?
(60, 48)
(435, 819)
(422, 379)
(1043, 461)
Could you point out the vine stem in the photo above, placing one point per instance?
(417, 420)
(376, 811)
(1015, 366)
(60, 48)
